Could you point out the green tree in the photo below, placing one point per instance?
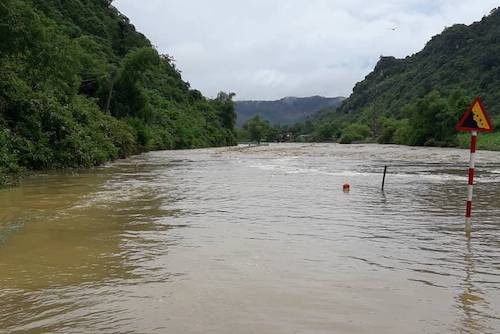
(225, 106)
(433, 118)
(128, 97)
(257, 128)
(326, 131)
(355, 132)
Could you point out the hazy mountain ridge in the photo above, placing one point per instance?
(286, 111)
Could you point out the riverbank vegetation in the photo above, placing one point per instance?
(429, 121)
(80, 86)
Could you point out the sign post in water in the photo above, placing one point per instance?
(474, 120)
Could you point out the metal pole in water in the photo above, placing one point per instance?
(383, 180)
(472, 165)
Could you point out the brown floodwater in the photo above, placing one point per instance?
(255, 240)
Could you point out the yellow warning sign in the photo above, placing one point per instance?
(479, 117)
(475, 118)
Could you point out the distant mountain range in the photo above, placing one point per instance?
(287, 111)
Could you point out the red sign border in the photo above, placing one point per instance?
(461, 128)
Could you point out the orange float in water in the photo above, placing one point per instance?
(346, 187)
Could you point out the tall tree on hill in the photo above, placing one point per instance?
(226, 109)
(127, 97)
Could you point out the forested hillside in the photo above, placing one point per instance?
(419, 99)
(80, 86)
(286, 111)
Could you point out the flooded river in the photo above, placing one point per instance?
(255, 240)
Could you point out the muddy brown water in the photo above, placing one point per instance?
(255, 240)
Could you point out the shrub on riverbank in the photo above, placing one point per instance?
(355, 132)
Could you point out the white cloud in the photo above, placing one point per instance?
(267, 49)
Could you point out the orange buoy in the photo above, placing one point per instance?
(346, 187)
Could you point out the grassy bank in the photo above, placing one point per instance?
(486, 141)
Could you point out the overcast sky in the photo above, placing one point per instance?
(268, 49)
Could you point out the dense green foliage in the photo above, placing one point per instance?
(419, 99)
(80, 87)
(256, 129)
(428, 121)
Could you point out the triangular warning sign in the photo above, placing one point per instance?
(475, 118)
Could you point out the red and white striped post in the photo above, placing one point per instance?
(472, 171)
(474, 120)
